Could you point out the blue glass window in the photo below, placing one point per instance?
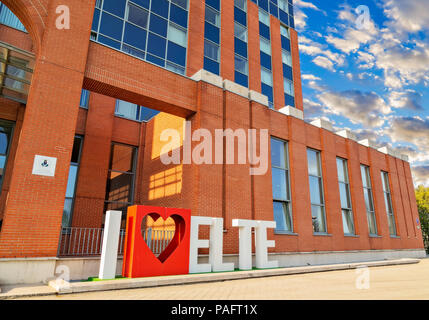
(158, 25)
(176, 53)
(95, 20)
(211, 32)
(268, 91)
(263, 4)
(264, 31)
(116, 7)
(265, 60)
(241, 79)
(285, 43)
(284, 17)
(155, 60)
(240, 47)
(214, 4)
(274, 10)
(111, 26)
(109, 42)
(289, 100)
(135, 36)
(287, 72)
(156, 45)
(211, 66)
(240, 16)
(143, 3)
(179, 16)
(160, 7)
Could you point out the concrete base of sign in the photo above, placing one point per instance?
(41, 270)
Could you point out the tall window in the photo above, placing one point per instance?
(6, 133)
(367, 190)
(212, 37)
(281, 185)
(265, 53)
(316, 191)
(388, 202)
(287, 66)
(72, 182)
(120, 181)
(84, 99)
(346, 203)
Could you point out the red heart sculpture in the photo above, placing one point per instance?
(139, 260)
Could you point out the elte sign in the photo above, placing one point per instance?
(181, 255)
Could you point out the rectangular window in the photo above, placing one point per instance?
(241, 65)
(211, 50)
(388, 202)
(240, 32)
(369, 203)
(316, 191)
(266, 77)
(284, 31)
(84, 99)
(242, 4)
(283, 5)
(265, 46)
(177, 35)
(346, 203)
(288, 85)
(120, 180)
(281, 185)
(286, 58)
(264, 17)
(212, 16)
(72, 182)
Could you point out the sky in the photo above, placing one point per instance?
(365, 67)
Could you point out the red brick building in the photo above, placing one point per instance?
(217, 63)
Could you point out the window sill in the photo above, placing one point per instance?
(322, 234)
(352, 235)
(286, 233)
(375, 236)
(395, 237)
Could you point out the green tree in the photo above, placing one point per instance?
(422, 196)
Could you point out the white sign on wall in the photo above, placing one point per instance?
(44, 166)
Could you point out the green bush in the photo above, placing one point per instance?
(422, 196)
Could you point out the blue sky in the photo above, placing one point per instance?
(369, 73)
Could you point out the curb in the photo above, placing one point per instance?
(63, 288)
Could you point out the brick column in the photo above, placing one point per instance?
(34, 208)
(195, 50)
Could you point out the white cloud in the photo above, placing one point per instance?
(421, 175)
(310, 77)
(409, 99)
(324, 63)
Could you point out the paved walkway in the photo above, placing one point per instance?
(392, 282)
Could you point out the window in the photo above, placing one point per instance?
(265, 46)
(288, 85)
(266, 77)
(388, 202)
(211, 50)
(242, 4)
(120, 180)
(72, 182)
(284, 31)
(241, 65)
(84, 99)
(212, 16)
(240, 32)
(154, 31)
(283, 5)
(264, 17)
(6, 133)
(346, 203)
(367, 190)
(316, 191)
(177, 35)
(133, 111)
(281, 185)
(286, 58)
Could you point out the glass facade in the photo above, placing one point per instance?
(281, 186)
(152, 30)
(345, 197)
(241, 64)
(316, 191)
(388, 203)
(266, 64)
(212, 36)
(281, 9)
(369, 203)
(72, 182)
(9, 19)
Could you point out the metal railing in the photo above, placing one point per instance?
(87, 242)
